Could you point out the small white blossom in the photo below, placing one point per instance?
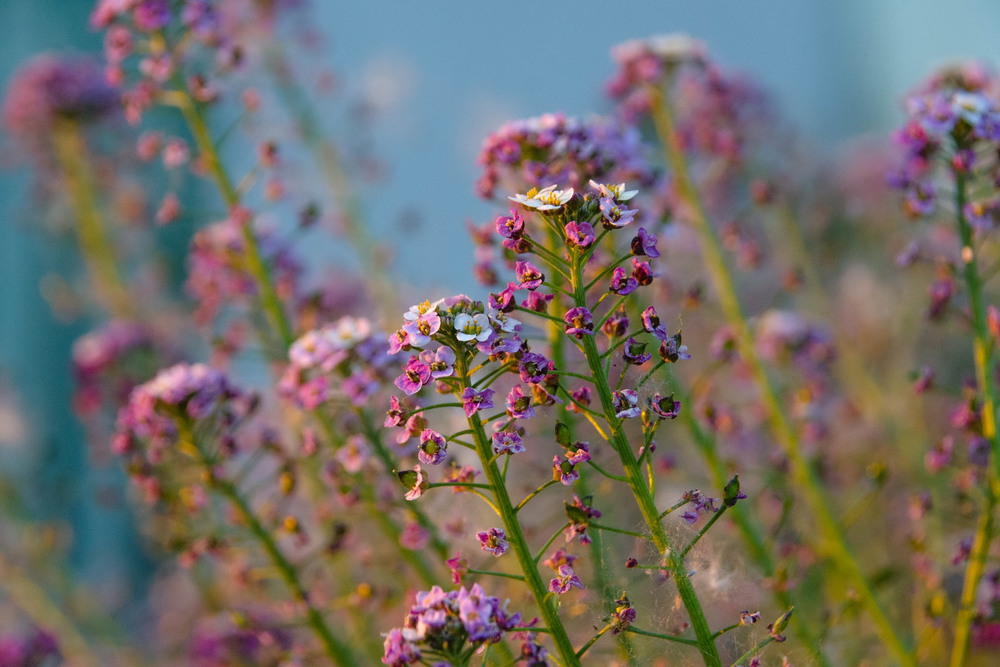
(472, 327)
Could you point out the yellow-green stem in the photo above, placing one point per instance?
(334, 648)
(512, 527)
(255, 264)
(983, 350)
(43, 612)
(785, 434)
(95, 243)
(673, 560)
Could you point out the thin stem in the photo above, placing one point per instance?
(785, 434)
(32, 600)
(704, 529)
(670, 638)
(269, 300)
(512, 527)
(642, 493)
(335, 649)
(95, 244)
(534, 493)
(984, 356)
(600, 633)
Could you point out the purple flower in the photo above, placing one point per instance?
(510, 226)
(564, 471)
(664, 407)
(503, 300)
(534, 367)
(421, 329)
(579, 514)
(50, 87)
(920, 200)
(645, 244)
(622, 283)
(399, 340)
(624, 615)
(433, 447)
(473, 401)
(651, 322)
(500, 347)
(459, 568)
(567, 579)
(581, 396)
(579, 322)
(642, 272)
(671, 349)
(626, 403)
(494, 541)
(415, 375)
(395, 415)
(537, 302)
(507, 442)
(635, 353)
(579, 452)
(529, 275)
(440, 362)
(580, 234)
(414, 481)
(150, 15)
(615, 215)
(519, 404)
(398, 651)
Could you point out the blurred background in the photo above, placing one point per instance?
(423, 84)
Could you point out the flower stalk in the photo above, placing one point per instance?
(512, 526)
(984, 353)
(803, 473)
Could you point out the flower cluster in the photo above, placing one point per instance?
(345, 358)
(179, 396)
(954, 119)
(110, 361)
(552, 148)
(448, 625)
(218, 271)
(717, 110)
(51, 87)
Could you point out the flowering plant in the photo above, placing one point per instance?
(662, 418)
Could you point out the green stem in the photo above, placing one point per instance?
(95, 244)
(983, 353)
(335, 649)
(255, 264)
(640, 490)
(748, 529)
(32, 600)
(388, 526)
(785, 434)
(557, 345)
(658, 635)
(512, 527)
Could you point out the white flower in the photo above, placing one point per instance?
(415, 312)
(678, 47)
(472, 327)
(502, 321)
(616, 192)
(546, 199)
(970, 106)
